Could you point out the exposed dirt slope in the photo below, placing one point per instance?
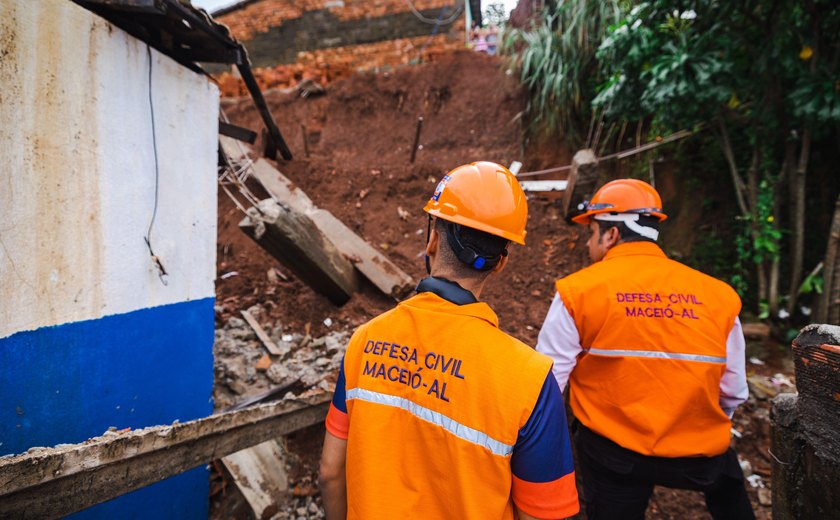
(359, 139)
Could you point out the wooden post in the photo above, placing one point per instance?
(805, 445)
(581, 181)
(292, 238)
(53, 482)
(416, 139)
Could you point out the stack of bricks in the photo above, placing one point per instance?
(379, 33)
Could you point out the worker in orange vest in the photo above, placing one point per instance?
(437, 413)
(653, 353)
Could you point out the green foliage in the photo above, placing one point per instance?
(743, 267)
(665, 62)
(817, 99)
(759, 70)
(556, 62)
(813, 283)
(766, 236)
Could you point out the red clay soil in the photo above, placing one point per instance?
(359, 139)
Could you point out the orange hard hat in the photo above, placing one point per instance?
(623, 196)
(484, 196)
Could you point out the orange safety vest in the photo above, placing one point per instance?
(436, 396)
(654, 334)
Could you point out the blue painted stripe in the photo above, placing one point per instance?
(67, 383)
(457, 429)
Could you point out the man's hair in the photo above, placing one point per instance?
(625, 233)
(482, 243)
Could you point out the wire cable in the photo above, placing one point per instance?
(432, 21)
(148, 238)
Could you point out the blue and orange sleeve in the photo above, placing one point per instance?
(338, 422)
(542, 464)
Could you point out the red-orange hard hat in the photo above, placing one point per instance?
(623, 196)
(484, 196)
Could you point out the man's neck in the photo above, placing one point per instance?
(470, 284)
(446, 289)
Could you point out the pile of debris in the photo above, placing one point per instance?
(244, 367)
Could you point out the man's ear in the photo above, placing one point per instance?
(433, 243)
(501, 265)
(611, 237)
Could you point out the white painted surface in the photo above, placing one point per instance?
(544, 185)
(77, 186)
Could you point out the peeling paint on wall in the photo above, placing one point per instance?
(78, 184)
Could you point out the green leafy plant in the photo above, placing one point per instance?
(763, 76)
(555, 59)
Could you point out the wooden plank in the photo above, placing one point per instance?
(582, 179)
(53, 482)
(543, 186)
(260, 474)
(237, 132)
(383, 273)
(294, 239)
(372, 264)
(260, 332)
(275, 138)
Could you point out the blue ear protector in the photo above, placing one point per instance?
(467, 254)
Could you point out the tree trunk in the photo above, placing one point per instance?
(797, 205)
(829, 309)
(752, 197)
(737, 181)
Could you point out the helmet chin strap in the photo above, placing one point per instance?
(631, 221)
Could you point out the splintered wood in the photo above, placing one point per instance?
(53, 482)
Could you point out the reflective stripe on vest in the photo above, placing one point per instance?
(455, 428)
(656, 354)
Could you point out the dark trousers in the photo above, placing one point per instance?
(618, 483)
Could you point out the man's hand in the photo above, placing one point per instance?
(332, 478)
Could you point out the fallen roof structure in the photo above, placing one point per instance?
(189, 36)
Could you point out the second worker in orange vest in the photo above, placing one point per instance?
(653, 354)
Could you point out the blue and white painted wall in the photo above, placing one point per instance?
(91, 335)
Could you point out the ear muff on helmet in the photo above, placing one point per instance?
(467, 254)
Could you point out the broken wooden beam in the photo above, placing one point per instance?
(53, 482)
(237, 132)
(275, 139)
(272, 347)
(582, 178)
(372, 264)
(260, 474)
(294, 239)
(544, 186)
